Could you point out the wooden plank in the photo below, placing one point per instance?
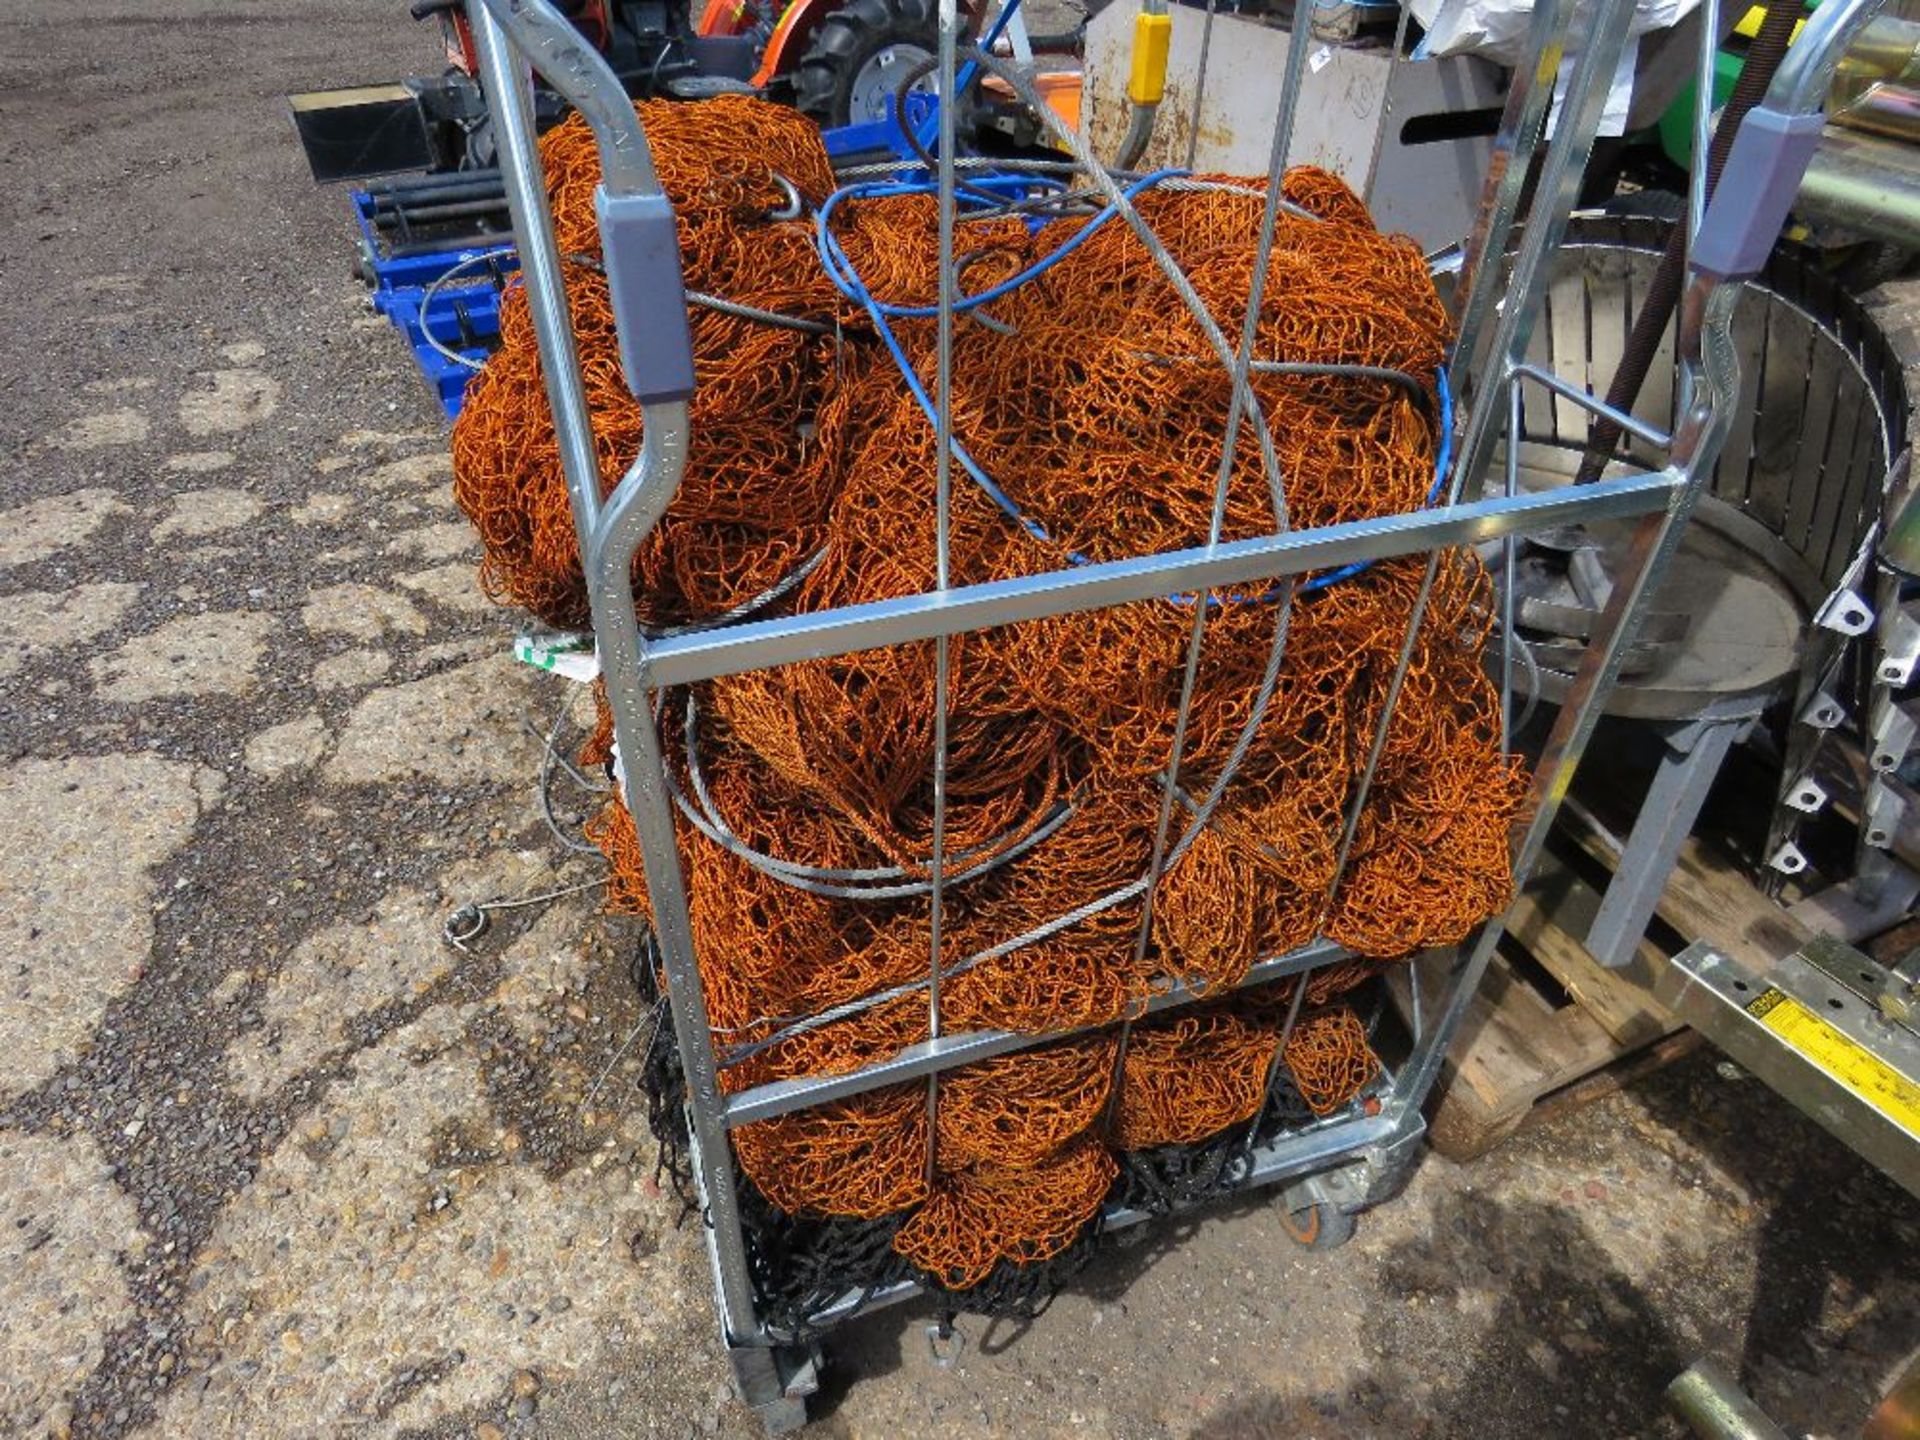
(1708, 899)
(1556, 908)
(1515, 1047)
(1518, 1058)
(1521, 1055)
(1617, 1076)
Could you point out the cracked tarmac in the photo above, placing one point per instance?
(275, 1161)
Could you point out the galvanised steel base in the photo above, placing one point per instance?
(1830, 1030)
(1338, 1166)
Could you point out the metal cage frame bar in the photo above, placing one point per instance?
(1497, 317)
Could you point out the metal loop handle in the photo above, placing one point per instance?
(582, 75)
(1776, 142)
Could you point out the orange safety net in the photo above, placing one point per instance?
(863, 1157)
(1019, 1110)
(1092, 398)
(1329, 1058)
(976, 1218)
(1191, 1077)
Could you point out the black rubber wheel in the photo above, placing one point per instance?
(1872, 263)
(858, 55)
(1317, 1227)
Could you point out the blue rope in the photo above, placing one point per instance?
(846, 279)
(848, 283)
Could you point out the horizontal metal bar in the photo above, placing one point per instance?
(1285, 1158)
(1708, 1397)
(1592, 403)
(779, 1097)
(1312, 1147)
(761, 644)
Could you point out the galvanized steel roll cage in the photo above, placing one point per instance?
(1370, 1147)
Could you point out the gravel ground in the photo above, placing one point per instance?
(280, 1163)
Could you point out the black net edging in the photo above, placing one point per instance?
(802, 1264)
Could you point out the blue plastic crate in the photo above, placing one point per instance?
(464, 312)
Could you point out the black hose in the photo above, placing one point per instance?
(1663, 294)
(398, 192)
(400, 218)
(1063, 42)
(927, 158)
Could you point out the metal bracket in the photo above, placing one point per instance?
(1787, 859)
(1385, 1169)
(1822, 712)
(1886, 807)
(946, 1342)
(1343, 1188)
(1893, 734)
(1845, 613)
(1899, 645)
(1879, 893)
(1807, 795)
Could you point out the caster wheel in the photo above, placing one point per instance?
(1317, 1227)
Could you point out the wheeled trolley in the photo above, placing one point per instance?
(1328, 1165)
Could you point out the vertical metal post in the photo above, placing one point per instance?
(943, 506)
(609, 533)
(1689, 762)
(1383, 127)
(1522, 120)
(1707, 353)
(1509, 565)
(1703, 80)
(508, 83)
(1200, 84)
(1554, 200)
(1241, 392)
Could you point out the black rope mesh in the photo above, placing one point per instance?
(801, 1264)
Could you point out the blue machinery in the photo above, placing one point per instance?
(1356, 1157)
(446, 299)
(446, 302)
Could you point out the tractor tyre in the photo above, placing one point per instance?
(858, 58)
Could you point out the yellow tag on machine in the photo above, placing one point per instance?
(1843, 1059)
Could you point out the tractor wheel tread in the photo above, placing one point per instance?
(823, 77)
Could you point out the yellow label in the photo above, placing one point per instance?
(1844, 1060)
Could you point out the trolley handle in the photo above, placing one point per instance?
(1776, 141)
(638, 243)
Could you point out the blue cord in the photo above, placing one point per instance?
(846, 279)
(849, 284)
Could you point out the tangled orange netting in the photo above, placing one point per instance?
(1093, 399)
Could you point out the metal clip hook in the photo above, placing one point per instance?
(464, 926)
(796, 206)
(946, 1342)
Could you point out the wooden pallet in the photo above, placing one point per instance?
(1550, 1029)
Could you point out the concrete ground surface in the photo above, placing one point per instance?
(276, 1161)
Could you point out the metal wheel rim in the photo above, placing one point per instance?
(870, 96)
